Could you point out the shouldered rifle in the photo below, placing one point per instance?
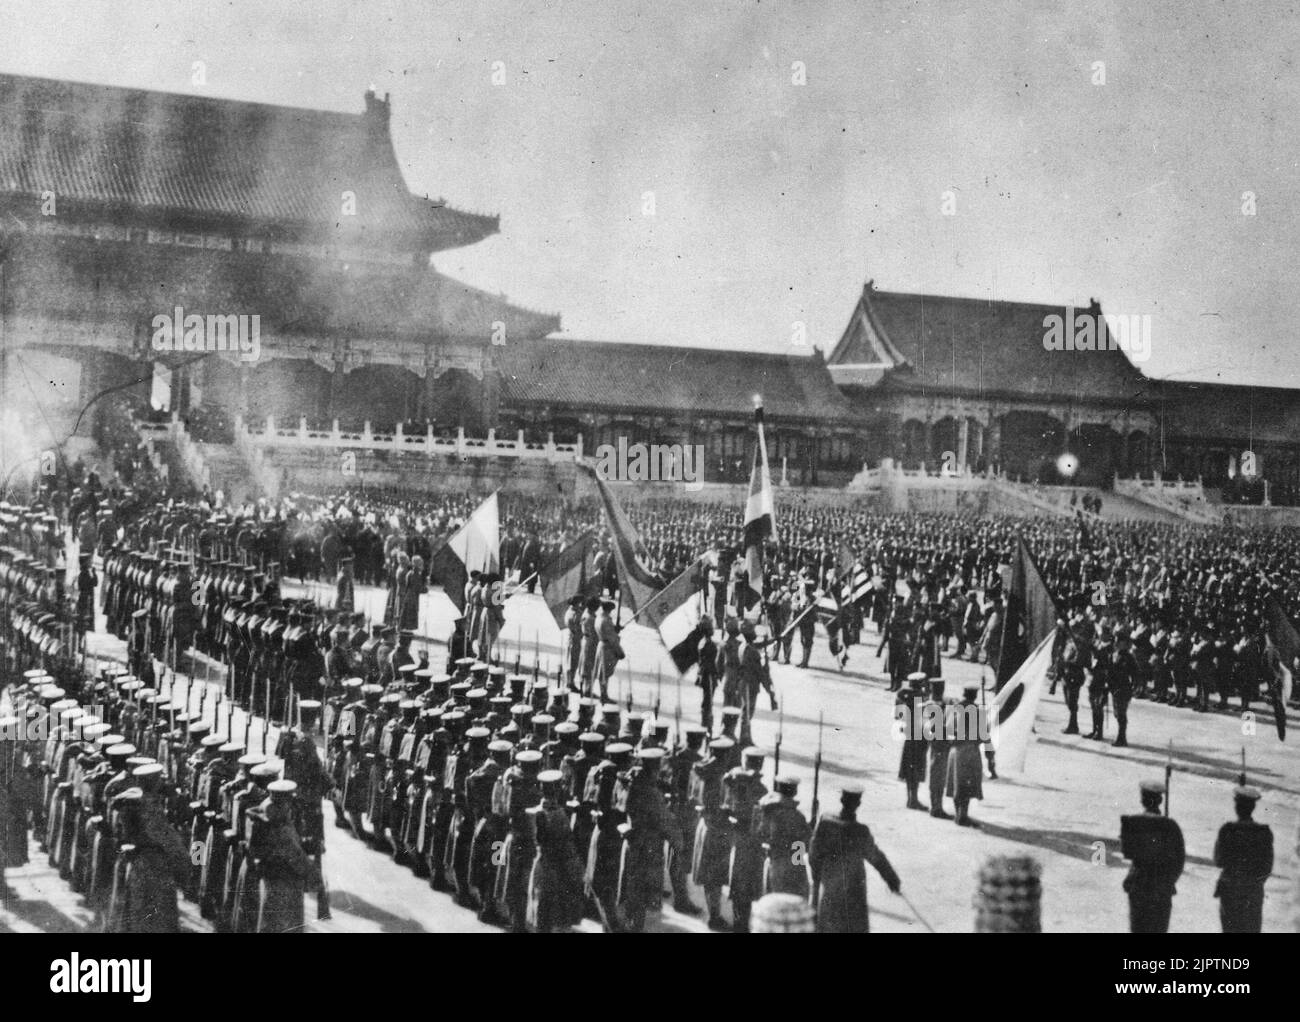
(780, 733)
(1169, 773)
(1241, 779)
(659, 689)
(817, 768)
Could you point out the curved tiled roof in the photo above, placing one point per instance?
(974, 346)
(676, 380)
(132, 283)
(194, 161)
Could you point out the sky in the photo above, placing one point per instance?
(1141, 154)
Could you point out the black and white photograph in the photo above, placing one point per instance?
(651, 466)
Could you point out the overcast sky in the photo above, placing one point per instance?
(773, 201)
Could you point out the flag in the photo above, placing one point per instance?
(565, 576)
(676, 612)
(1011, 717)
(1283, 645)
(636, 582)
(1029, 613)
(475, 546)
(760, 518)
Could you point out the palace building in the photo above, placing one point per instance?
(123, 208)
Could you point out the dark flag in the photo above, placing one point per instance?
(566, 575)
(636, 582)
(676, 612)
(1029, 615)
(760, 516)
(1283, 645)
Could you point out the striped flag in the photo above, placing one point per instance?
(476, 546)
(636, 582)
(676, 612)
(760, 515)
(565, 575)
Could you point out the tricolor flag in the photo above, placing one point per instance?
(676, 612)
(1011, 716)
(1283, 645)
(476, 546)
(1029, 614)
(760, 516)
(636, 582)
(566, 575)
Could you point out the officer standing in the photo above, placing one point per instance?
(1154, 844)
(937, 748)
(785, 835)
(1244, 851)
(840, 846)
(916, 731)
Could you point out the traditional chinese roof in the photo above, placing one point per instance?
(191, 162)
(967, 346)
(653, 378)
(127, 283)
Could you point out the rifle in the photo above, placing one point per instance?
(248, 725)
(1241, 778)
(1169, 773)
(817, 767)
(230, 720)
(659, 689)
(780, 733)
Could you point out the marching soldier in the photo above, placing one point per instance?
(302, 765)
(785, 836)
(743, 789)
(521, 791)
(917, 728)
(1154, 844)
(966, 727)
(555, 898)
(937, 748)
(640, 800)
(840, 846)
(487, 793)
(604, 853)
(681, 818)
(710, 857)
(1244, 852)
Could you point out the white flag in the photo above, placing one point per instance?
(1011, 716)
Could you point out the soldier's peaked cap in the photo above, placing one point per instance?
(918, 676)
(1246, 793)
(618, 749)
(147, 770)
(252, 759)
(213, 741)
(498, 745)
(478, 733)
(851, 791)
(550, 777)
(722, 744)
(650, 754)
(282, 789)
(731, 711)
(591, 738)
(1152, 787)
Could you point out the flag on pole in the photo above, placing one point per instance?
(636, 582)
(565, 575)
(1029, 614)
(676, 612)
(760, 515)
(475, 546)
(1283, 645)
(1011, 716)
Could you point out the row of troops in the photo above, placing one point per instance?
(480, 781)
(136, 804)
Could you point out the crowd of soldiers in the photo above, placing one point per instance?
(1179, 607)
